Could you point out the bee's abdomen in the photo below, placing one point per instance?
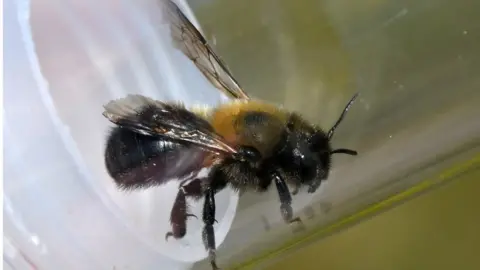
(137, 161)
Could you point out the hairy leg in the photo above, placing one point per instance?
(208, 231)
(218, 180)
(179, 213)
(285, 199)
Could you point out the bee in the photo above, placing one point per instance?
(248, 144)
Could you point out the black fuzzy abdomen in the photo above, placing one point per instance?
(134, 160)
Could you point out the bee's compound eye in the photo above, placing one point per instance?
(249, 153)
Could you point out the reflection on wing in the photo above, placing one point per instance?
(191, 42)
(150, 117)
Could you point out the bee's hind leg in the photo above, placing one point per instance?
(179, 213)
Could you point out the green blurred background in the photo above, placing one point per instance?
(416, 64)
(439, 230)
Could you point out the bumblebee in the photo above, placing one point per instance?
(248, 144)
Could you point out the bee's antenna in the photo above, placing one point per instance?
(332, 130)
(344, 151)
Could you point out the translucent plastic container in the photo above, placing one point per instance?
(64, 60)
(415, 65)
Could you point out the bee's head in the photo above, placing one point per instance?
(306, 152)
(319, 145)
(305, 158)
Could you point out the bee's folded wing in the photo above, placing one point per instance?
(155, 118)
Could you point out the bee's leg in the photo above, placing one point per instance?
(217, 180)
(208, 232)
(314, 185)
(285, 199)
(179, 213)
(194, 190)
(178, 216)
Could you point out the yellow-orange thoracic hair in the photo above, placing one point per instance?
(224, 121)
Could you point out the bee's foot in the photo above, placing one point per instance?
(213, 261)
(192, 215)
(168, 235)
(296, 220)
(299, 226)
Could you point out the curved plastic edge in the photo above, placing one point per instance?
(23, 12)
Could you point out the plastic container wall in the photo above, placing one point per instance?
(63, 61)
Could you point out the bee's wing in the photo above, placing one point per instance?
(156, 118)
(194, 45)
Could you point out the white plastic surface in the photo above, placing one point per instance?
(63, 61)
